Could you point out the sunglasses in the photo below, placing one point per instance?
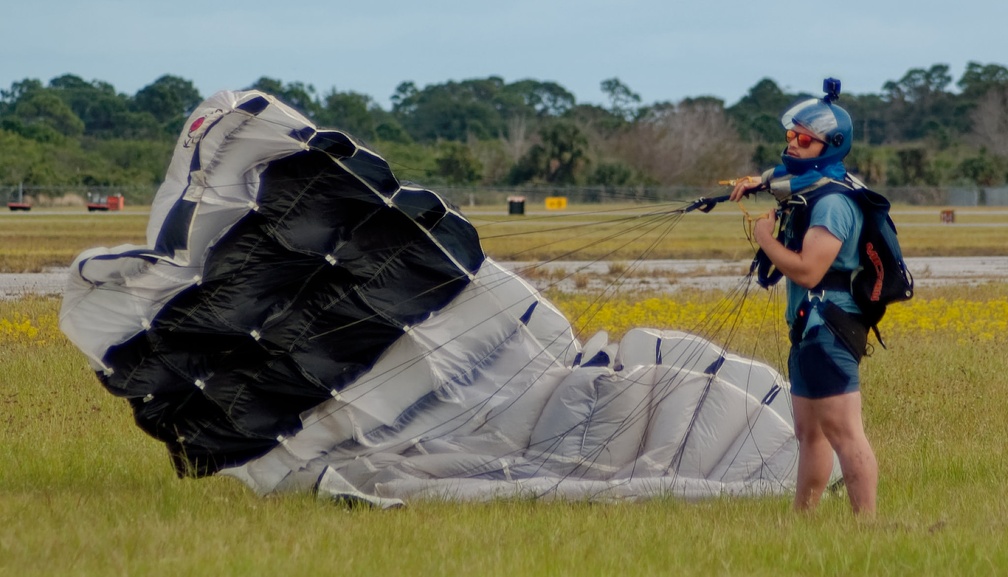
(804, 140)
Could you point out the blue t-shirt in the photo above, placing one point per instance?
(840, 215)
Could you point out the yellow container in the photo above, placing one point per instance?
(556, 202)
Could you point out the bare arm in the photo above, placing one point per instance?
(806, 268)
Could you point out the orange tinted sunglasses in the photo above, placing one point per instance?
(804, 140)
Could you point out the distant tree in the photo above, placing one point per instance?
(920, 104)
(169, 99)
(765, 155)
(297, 95)
(867, 163)
(452, 110)
(868, 113)
(557, 159)
(984, 169)
(404, 98)
(359, 115)
(623, 102)
(17, 156)
(914, 131)
(920, 86)
(757, 114)
(135, 162)
(12, 122)
(78, 93)
(516, 137)
(457, 165)
(19, 90)
(106, 114)
(984, 105)
(597, 120)
(910, 166)
(410, 161)
(42, 114)
(979, 79)
(544, 98)
(612, 174)
(388, 129)
(350, 112)
(990, 121)
(693, 142)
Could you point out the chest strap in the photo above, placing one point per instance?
(838, 280)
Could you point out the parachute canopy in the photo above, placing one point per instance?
(301, 320)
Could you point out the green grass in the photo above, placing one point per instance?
(84, 492)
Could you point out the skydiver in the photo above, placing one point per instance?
(825, 387)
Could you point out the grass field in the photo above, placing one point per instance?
(84, 492)
(31, 242)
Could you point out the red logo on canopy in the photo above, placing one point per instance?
(199, 127)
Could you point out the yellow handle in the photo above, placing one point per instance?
(734, 181)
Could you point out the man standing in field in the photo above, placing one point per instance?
(822, 364)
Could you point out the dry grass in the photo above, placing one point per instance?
(620, 234)
(35, 241)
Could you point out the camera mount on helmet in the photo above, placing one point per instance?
(831, 86)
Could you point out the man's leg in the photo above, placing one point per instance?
(815, 455)
(840, 420)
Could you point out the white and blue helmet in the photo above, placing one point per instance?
(828, 121)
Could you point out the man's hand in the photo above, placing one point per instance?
(743, 186)
(763, 228)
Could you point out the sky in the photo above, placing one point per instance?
(662, 50)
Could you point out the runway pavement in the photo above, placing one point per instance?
(650, 275)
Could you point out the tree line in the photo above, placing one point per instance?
(925, 128)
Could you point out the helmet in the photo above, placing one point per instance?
(827, 121)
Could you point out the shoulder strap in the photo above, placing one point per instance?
(831, 187)
(837, 279)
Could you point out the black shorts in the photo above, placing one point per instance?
(821, 365)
